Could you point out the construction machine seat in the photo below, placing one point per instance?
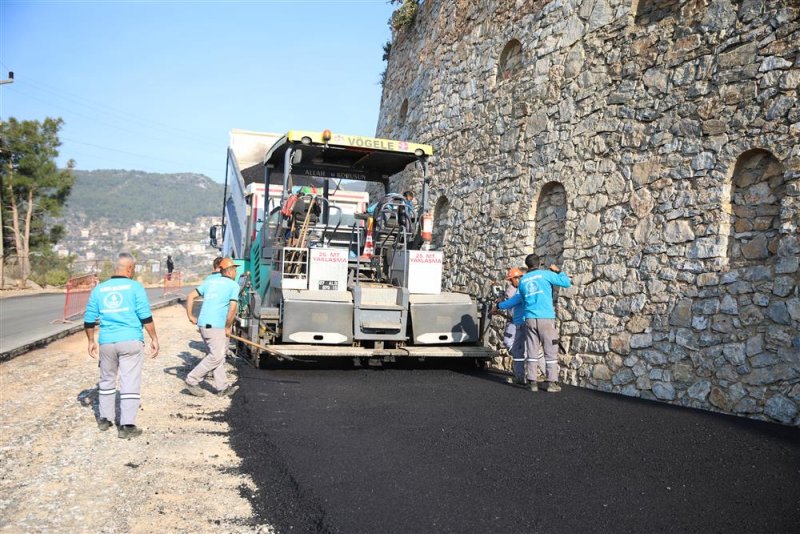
(391, 213)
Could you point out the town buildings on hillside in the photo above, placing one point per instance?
(95, 244)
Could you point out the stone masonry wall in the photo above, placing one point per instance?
(650, 147)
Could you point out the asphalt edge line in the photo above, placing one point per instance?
(39, 343)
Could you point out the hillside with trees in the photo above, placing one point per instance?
(124, 197)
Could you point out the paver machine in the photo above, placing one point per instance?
(328, 280)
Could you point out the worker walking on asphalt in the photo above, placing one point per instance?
(121, 306)
(536, 292)
(220, 300)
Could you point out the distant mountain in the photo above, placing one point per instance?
(127, 197)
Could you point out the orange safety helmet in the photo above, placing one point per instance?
(226, 263)
(514, 273)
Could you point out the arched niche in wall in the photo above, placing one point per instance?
(403, 113)
(510, 61)
(757, 187)
(550, 223)
(752, 318)
(441, 222)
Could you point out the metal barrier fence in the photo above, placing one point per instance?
(78, 291)
(173, 282)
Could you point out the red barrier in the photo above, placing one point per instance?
(173, 283)
(78, 291)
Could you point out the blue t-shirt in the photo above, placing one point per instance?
(122, 305)
(536, 291)
(518, 311)
(217, 293)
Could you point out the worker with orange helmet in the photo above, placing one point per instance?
(220, 295)
(514, 336)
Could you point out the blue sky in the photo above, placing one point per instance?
(157, 86)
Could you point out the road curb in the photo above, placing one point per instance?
(17, 351)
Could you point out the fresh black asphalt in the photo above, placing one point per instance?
(438, 448)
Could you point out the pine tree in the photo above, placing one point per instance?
(32, 186)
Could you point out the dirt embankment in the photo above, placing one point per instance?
(59, 473)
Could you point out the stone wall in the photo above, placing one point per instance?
(652, 148)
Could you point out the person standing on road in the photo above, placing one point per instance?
(121, 306)
(220, 300)
(536, 292)
(514, 333)
(170, 267)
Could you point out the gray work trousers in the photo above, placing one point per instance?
(127, 357)
(542, 333)
(216, 346)
(514, 339)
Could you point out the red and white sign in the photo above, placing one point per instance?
(328, 269)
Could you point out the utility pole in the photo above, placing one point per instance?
(2, 232)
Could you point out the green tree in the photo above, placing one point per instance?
(33, 187)
(404, 16)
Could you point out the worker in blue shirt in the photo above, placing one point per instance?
(121, 306)
(220, 300)
(536, 292)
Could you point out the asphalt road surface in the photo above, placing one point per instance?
(28, 318)
(443, 449)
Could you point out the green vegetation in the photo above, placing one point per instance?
(404, 16)
(47, 269)
(33, 190)
(124, 198)
(387, 51)
(401, 20)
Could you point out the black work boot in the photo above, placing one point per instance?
(197, 391)
(103, 424)
(552, 387)
(128, 431)
(228, 391)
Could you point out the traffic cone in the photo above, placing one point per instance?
(369, 246)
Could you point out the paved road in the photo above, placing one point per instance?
(444, 450)
(26, 319)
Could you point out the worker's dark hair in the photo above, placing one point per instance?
(532, 261)
(217, 261)
(408, 195)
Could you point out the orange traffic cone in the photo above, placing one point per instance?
(369, 246)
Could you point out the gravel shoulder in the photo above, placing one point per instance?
(59, 473)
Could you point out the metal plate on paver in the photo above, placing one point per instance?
(440, 298)
(352, 352)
